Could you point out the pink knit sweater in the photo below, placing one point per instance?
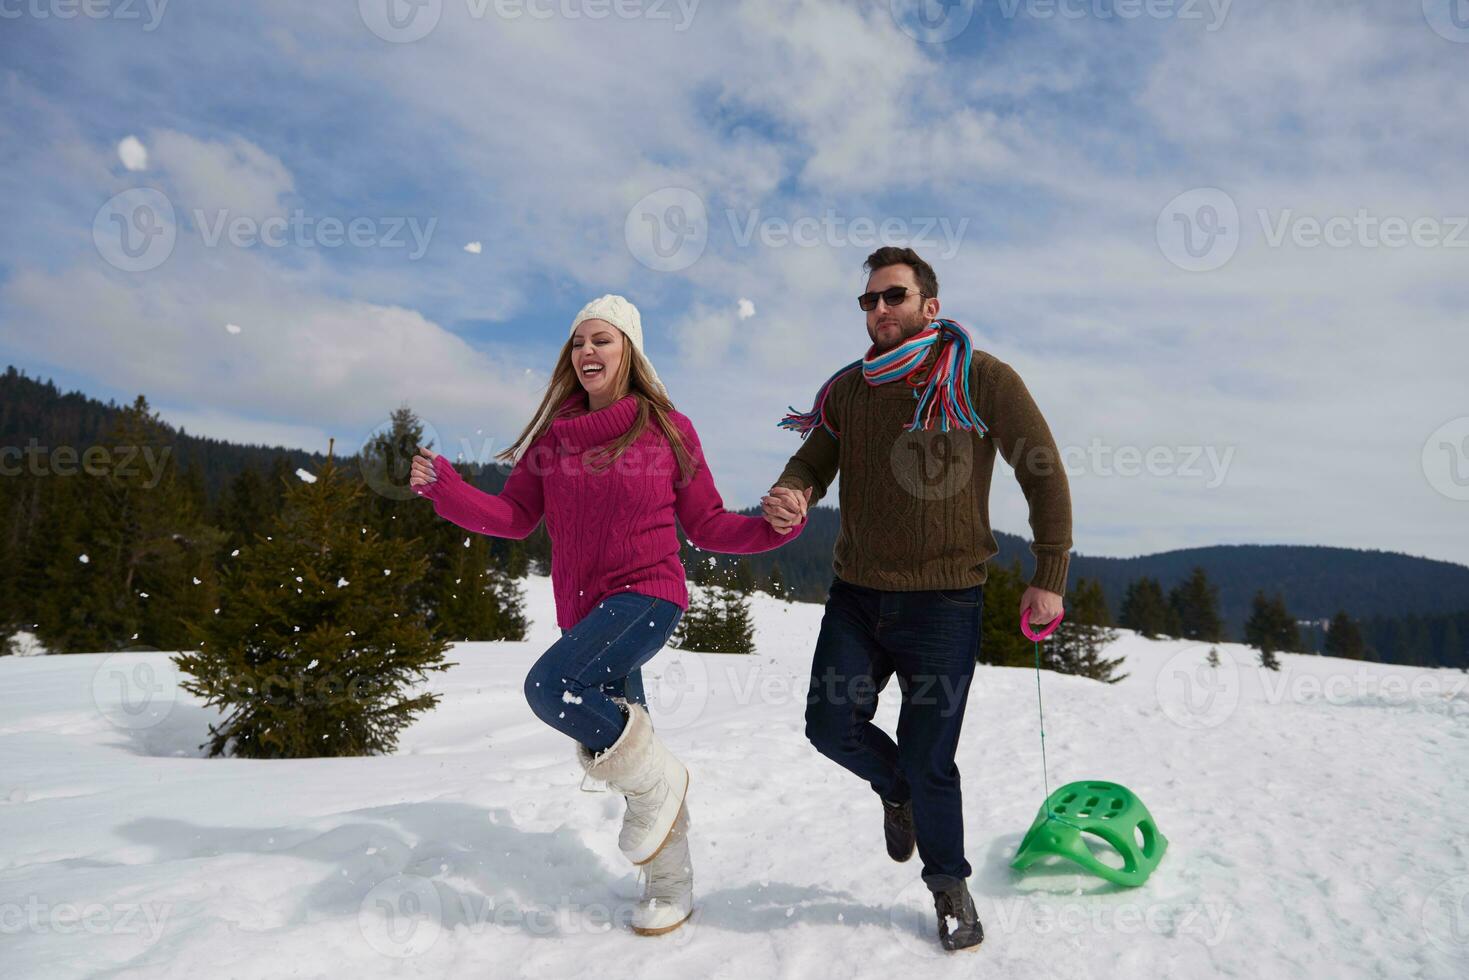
(611, 531)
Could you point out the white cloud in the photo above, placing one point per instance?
(1059, 141)
(331, 365)
(231, 175)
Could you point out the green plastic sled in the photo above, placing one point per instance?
(1107, 810)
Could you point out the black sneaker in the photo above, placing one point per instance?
(959, 926)
(897, 827)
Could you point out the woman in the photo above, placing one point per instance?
(610, 464)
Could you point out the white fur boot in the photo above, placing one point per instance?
(640, 768)
(668, 896)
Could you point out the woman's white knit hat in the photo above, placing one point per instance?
(617, 311)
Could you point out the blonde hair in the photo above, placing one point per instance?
(632, 379)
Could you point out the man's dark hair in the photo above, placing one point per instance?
(928, 283)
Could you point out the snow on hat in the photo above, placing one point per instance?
(617, 311)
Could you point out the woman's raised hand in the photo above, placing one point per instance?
(422, 469)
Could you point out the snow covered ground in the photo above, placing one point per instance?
(1318, 822)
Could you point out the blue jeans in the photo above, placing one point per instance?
(930, 639)
(572, 685)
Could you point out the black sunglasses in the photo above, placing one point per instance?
(892, 297)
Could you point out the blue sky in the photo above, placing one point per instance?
(1120, 204)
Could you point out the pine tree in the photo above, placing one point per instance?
(246, 507)
(469, 591)
(131, 558)
(738, 625)
(1453, 653)
(1419, 652)
(10, 606)
(777, 585)
(717, 621)
(1076, 646)
(479, 600)
(1173, 623)
(1271, 629)
(314, 650)
(1195, 601)
(1001, 642)
(1344, 638)
(1144, 609)
(742, 580)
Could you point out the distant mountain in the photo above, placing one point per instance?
(1315, 581)
(31, 409)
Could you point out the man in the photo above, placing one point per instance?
(914, 428)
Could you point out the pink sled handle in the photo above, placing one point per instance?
(1050, 627)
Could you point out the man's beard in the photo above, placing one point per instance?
(908, 325)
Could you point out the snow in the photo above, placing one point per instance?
(26, 644)
(1314, 819)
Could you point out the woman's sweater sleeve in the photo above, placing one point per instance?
(512, 513)
(709, 526)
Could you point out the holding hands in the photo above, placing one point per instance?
(784, 508)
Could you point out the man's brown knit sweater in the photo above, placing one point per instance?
(915, 505)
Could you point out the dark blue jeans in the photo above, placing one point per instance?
(572, 685)
(930, 640)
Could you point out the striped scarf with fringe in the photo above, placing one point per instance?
(942, 393)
